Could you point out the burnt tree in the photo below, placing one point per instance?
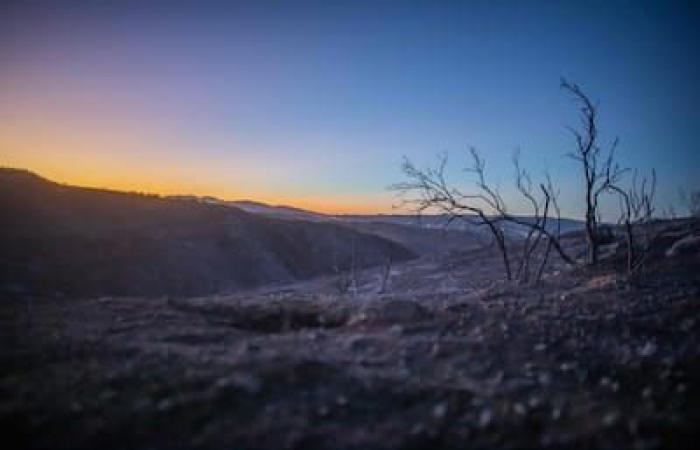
(600, 170)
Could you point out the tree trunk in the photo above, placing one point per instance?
(591, 238)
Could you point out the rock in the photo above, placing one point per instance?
(316, 335)
(165, 404)
(485, 417)
(396, 329)
(544, 378)
(688, 324)
(417, 429)
(556, 413)
(647, 350)
(440, 410)
(611, 418)
(567, 366)
(519, 409)
(247, 383)
(685, 246)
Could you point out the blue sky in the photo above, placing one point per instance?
(314, 104)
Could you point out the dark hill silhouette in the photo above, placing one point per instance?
(82, 241)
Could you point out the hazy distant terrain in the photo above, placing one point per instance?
(425, 221)
(427, 233)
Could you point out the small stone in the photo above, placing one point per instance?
(245, 382)
(565, 367)
(688, 324)
(417, 429)
(396, 329)
(440, 410)
(647, 350)
(485, 417)
(165, 404)
(611, 418)
(519, 409)
(556, 413)
(316, 335)
(544, 378)
(534, 402)
(540, 347)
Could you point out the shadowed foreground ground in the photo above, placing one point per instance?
(583, 361)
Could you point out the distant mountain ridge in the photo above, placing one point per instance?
(83, 241)
(426, 221)
(291, 212)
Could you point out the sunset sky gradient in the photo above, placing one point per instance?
(314, 104)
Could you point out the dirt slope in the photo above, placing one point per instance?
(586, 360)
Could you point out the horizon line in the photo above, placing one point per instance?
(165, 195)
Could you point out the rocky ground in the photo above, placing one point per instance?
(447, 358)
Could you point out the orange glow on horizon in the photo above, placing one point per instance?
(56, 151)
(120, 181)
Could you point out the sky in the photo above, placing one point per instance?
(314, 104)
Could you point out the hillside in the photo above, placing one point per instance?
(280, 211)
(425, 234)
(403, 224)
(473, 226)
(79, 241)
